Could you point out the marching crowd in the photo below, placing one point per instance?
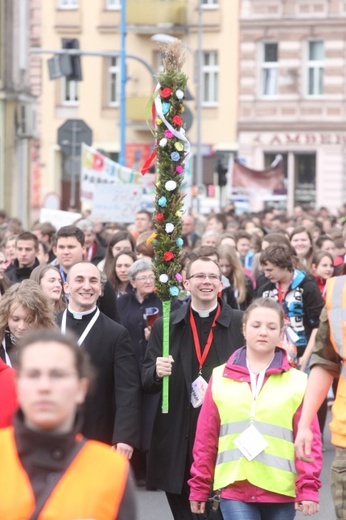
(262, 305)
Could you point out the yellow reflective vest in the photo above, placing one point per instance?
(280, 397)
(336, 307)
(92, 487)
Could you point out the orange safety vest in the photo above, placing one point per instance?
(91, 488)
(336, 307)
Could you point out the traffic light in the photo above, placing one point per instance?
(76, 67)
(222, 174)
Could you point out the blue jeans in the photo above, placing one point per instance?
(236, 510)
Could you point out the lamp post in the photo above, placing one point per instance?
(167, 38)
(123, 79)
(199, 161)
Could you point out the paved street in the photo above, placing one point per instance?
(152, 505)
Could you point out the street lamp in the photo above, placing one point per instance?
(167, 38)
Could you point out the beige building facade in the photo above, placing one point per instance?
(292, 95)
(17, 110)
(208, 25)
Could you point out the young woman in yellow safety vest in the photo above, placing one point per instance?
(244, 445)
(48, 470)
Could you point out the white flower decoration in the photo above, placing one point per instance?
(179, 94)
(170, 185)
(163, 278)
(169, 227)
(163, 142)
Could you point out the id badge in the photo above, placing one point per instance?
(251, 443)
(198, 389)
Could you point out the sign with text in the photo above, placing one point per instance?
(258, 182)
(116, 202)
(98, 170)
(58, 218)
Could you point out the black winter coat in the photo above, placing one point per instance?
(112, 409)
(17, 274)
(170, 452)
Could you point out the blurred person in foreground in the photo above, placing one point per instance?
(8, 395)
(328, 361)
(49, 470)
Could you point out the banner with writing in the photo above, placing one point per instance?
(104, 182)
(116, 202)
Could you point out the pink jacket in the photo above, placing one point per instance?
(206, 443)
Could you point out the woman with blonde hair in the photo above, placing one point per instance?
(49, 279)
(232, 269)
(23, 306)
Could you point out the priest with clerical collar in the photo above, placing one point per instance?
(112, 411)
(203, 334)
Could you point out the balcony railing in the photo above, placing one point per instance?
(156, 12)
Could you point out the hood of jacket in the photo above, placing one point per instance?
(297, 279)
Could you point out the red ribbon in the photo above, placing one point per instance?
(152, 157)
(148, 163)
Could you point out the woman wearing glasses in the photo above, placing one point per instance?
(132, 306)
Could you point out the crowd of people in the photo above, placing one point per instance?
(262, 304)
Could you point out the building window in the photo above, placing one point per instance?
(210, 2)
(69, 92)
(315, 66)
(114, 81)
(269, 82)
(305, 179)
(112, 4)
(68, 4)
(210, 78)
